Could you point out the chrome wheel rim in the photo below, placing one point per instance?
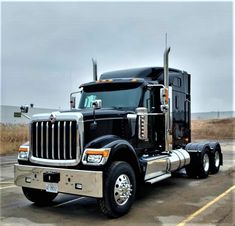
(206, 162)
(217, 159)
(122, 189)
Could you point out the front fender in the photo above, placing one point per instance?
(121, 150)
(102, 141)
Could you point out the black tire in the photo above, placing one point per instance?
(204, 166)
(118, 175)
(39, 197)
(215, 160)
(191, 172)
(200, 167)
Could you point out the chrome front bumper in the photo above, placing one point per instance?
(78, 182)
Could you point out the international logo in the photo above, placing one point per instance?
(52, 118)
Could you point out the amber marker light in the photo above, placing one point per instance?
(104, 152)
(95, 156)
(23, 149)
(23, 153)
(167, 97)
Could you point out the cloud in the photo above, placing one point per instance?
(47, 47)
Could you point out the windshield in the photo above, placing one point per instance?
(112, 98)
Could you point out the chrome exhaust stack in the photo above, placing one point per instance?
(94, 63)
(166, 70)
(167, 107)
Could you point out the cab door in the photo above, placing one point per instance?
(156, 122)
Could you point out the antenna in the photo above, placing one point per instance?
(166, 40)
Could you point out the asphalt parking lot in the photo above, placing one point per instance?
(176, 201)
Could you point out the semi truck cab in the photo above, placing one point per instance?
(129, 127)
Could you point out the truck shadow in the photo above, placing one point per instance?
(85, 211)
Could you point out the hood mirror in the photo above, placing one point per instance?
(75, 98)
(97, 104)
(72, 102)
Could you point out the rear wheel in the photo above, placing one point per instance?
(205, 166)
(199, 168)
(119, 190)
(39, 197)
(215, 160)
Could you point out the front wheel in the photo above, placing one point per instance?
(39, 197)
(119, 190)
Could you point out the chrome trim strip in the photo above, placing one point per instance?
(70, 139)
(132, 116)
(52, 140)
(54, 162)
(101, 119)
(155, 113)
(155, 85)
(42, 140)
(59, 140)
(36, 139)
(64, 139)
(47, 138)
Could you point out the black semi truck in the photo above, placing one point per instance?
(130, 127)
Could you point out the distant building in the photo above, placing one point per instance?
(7, 114)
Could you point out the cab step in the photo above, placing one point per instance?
(159, 178)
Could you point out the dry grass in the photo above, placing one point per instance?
(217, 129)
(11, 137)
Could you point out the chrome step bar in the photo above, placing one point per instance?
(159, 178)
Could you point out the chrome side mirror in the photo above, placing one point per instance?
(74, 98)
(97, 104)
(24, 109)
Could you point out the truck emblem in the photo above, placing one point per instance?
(52, 118)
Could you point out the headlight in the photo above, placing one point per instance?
(95, 156)
(23, 153)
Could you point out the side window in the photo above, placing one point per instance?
(147, 100)
(177, 82)
(88, 101)
(176, 102)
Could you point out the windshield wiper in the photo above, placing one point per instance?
(117, 108)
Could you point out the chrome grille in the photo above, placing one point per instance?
(55, 141)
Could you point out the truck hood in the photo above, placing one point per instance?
(101, 113)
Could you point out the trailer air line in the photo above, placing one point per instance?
(195, 214)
